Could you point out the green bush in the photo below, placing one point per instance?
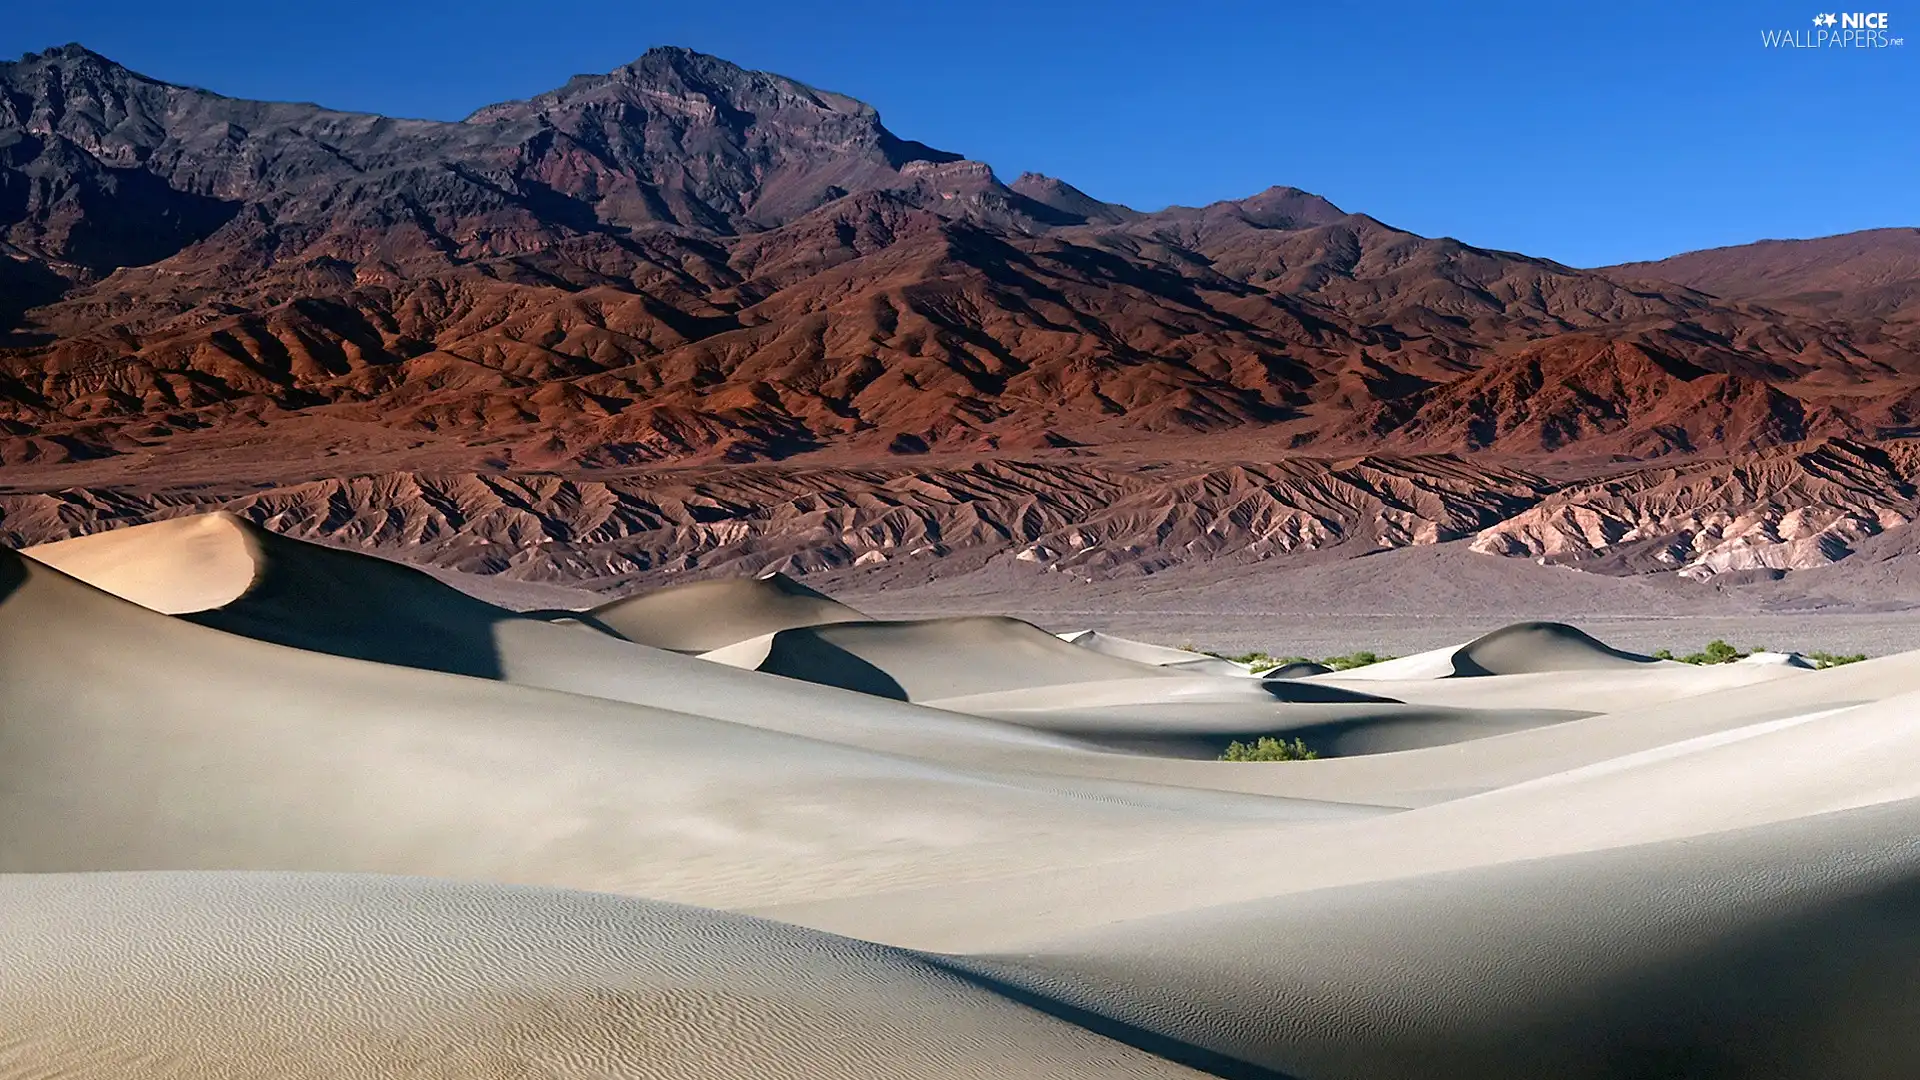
(1268, 748)
(1827, 659)
(1354, 660)
(1261, 661)
(1716, 652)
(1719, 652)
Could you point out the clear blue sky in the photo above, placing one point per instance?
(1582, 130)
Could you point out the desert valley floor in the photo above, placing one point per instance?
(273, 808)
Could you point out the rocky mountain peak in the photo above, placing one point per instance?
(668, 73)
(1070, 201)
(72, 55)
(683, 258)
(1289, 207)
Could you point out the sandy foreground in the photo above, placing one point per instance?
(269, 809)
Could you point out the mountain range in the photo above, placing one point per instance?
(616, 286)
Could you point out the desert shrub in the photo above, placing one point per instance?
(1827, 659)
(1259, 661)
(1354, 660)
(1719, 652)
(1251, 659)
(1268, 748)
(1716, 652)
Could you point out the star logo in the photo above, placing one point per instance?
(1828, 19)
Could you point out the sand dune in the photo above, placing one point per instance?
(1142, 652)
(220, 571)
(188, 564)
(1780, 952)
(991, 852)
(1007, 670)
(1524, 648)
(931, 658)
(1298, 669)
(1203, 729)
(705, 615)
(1584, 691)
(1792, 660)
(205, 750)
(1531, 647)
(1743, 775)
(194, 975)
(353, 605)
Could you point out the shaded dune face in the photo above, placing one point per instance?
(940, 658)
(955, 847)
(281, 973)
(1540, 646)
(1698, 959)
(191, 748)
(320, 599)
(220, 571)
(355, 606)
(1522, 648)
(1137, 651)
(707, 615)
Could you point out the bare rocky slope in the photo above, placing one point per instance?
(1090, 520)
(1737, 519)
(684, 260)
(526, 344)
(1870, 275)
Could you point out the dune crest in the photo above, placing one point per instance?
(704, 615)
(179, 566)
(1523, 648)
(932, 658)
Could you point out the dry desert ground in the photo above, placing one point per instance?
(275, 809)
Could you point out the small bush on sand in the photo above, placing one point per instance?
(1268, 748)
(1262, 661)
(1827, 659)
(1719, 652)
(1716, 652)
(1259, 659)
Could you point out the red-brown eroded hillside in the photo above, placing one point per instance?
(526, 343)
(683, 261)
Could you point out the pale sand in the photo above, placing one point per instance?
(1785, 951)
(1532, 856)
(931, 658)
(1144, 652)
(111, 976)
(705, 615)
(188, 564)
